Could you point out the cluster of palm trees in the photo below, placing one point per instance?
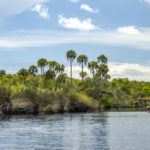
(100, 66)
(96, 67)
(52, 65)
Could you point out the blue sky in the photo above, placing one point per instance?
(120, 29)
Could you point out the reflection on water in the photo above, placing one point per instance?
(91, 131)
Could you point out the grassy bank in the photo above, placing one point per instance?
(48, 97)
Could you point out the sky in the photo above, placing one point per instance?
(119, 29)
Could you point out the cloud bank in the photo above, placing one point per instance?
(43, 38)
(119, 70)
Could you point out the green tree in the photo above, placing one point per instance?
(50, 74)
(2, 73)
(42, 63)
(82, 59)
(24, 73)
(52, 65)
(83, 75)
(103, 70)
(61, 79)
(33, 70)
(59, 68)
(93, 66)
(102, 59)
(71, 55)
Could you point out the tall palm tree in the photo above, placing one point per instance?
(82, 59)
(103, 68)
(93, 66)
(71, 55)
(42, 63)
(32, 70)
(102, 59)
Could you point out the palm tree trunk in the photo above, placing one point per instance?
(82, 71)
(93, 79)
(41, 70)
(71, 71)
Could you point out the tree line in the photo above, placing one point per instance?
(98, 67)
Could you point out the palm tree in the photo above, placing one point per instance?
(62, 68)
(82, 59)
(71, 55)
(83, 75)
(103, 70)
(93, 66)
(59, 68)
(102, 59)
(33, 70)
(52, 64)
(42, 63)
(61, 79)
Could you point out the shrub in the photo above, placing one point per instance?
(79, 102)
(4, 95)
(50, 110)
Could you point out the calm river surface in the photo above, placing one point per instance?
(90, 131)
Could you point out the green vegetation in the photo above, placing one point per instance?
(52, 92)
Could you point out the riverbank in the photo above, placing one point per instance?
(30, 101)
(26, 107)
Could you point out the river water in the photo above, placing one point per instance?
(89, 131)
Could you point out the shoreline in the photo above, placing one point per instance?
(113, 109)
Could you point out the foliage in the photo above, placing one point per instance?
(2, 73)
(50, 74)
(52, 89)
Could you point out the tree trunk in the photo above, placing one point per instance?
(71, 71)
(93, 79)
(82, 72)
(41, 70)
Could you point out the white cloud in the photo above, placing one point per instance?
(118, 70)
(45, 38)
(75, 23)
(75, 1)
(128, 30)
(14, 7)
(88, 8)
(131, 71)
(41, 10)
